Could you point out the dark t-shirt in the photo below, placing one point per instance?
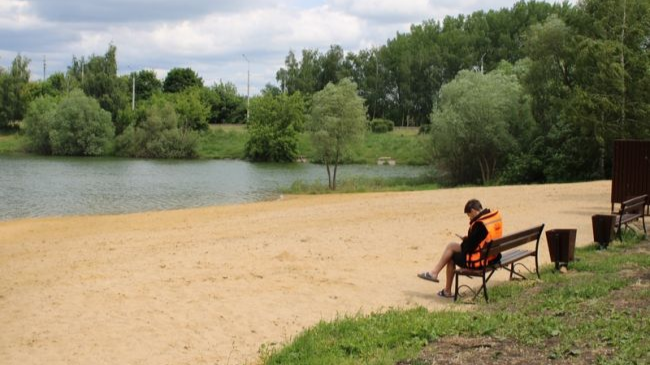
(475, 235)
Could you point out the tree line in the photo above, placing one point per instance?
(534, 93)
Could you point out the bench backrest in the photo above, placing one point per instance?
(634, 206)
(514, 240)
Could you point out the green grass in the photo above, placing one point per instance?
(403, 145)
(363, 185)
(223, 142)
(11, 142)
(598, 304)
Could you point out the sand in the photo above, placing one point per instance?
(212, 285)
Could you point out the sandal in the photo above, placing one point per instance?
(427, 276)
(444, 294)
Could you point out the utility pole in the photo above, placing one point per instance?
(44, 67)
(248, 90)
(132, 87)
(133, 92)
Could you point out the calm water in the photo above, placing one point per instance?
(49, 186)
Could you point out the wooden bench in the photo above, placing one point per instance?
(631, 210)
(511, 253)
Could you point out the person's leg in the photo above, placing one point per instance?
(451, 267)
(445, 259)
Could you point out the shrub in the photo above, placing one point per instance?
(157, 135)
(272, 127)
(381, 125)
(37, 124)
(80, 127)
(75, 126)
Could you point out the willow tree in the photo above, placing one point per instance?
(478, 124)
(338, 121)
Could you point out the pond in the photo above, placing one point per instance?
(34, 186)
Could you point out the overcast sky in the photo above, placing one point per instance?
(210, 36)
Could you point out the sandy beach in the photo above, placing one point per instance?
(212, 285)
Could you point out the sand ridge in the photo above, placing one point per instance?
(211, 285)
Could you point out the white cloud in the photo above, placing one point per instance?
(384, 10)
(206, 35)
(16, 15)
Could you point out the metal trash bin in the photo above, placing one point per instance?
(561, 246)
(603, 228)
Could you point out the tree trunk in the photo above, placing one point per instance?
(336, 165)
(483, 168)
(623, 101)
(487, 169)
(329, 176)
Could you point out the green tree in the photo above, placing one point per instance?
(14, 92)
(37, 124)
(156, 134)
(98, 78)
(146, 85)
(273, 125)
(192, 112)
(229, 106)
(80, 127)
(300, 76)
(179, 79)
(612, 85)
(478, 123)
(337, 122)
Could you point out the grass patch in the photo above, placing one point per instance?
(223, 142)
(11, 142)
(595, 314)
(402, 145)
(363, 185)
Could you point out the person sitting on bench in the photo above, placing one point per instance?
(484, 226)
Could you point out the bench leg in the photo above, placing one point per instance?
(485, 288)
(456, 289)
(537, 267)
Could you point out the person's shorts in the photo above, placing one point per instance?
(459, 259)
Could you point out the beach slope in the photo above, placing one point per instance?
(211, 285)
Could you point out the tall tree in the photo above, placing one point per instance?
(192, 112)
(14, 93)
(179, 79)
(229, 106)
(97, 77)
(338, 120)
(146, 84)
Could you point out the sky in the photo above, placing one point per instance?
(220, 40)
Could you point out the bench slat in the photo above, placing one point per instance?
(514, 256)
(631, 210)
